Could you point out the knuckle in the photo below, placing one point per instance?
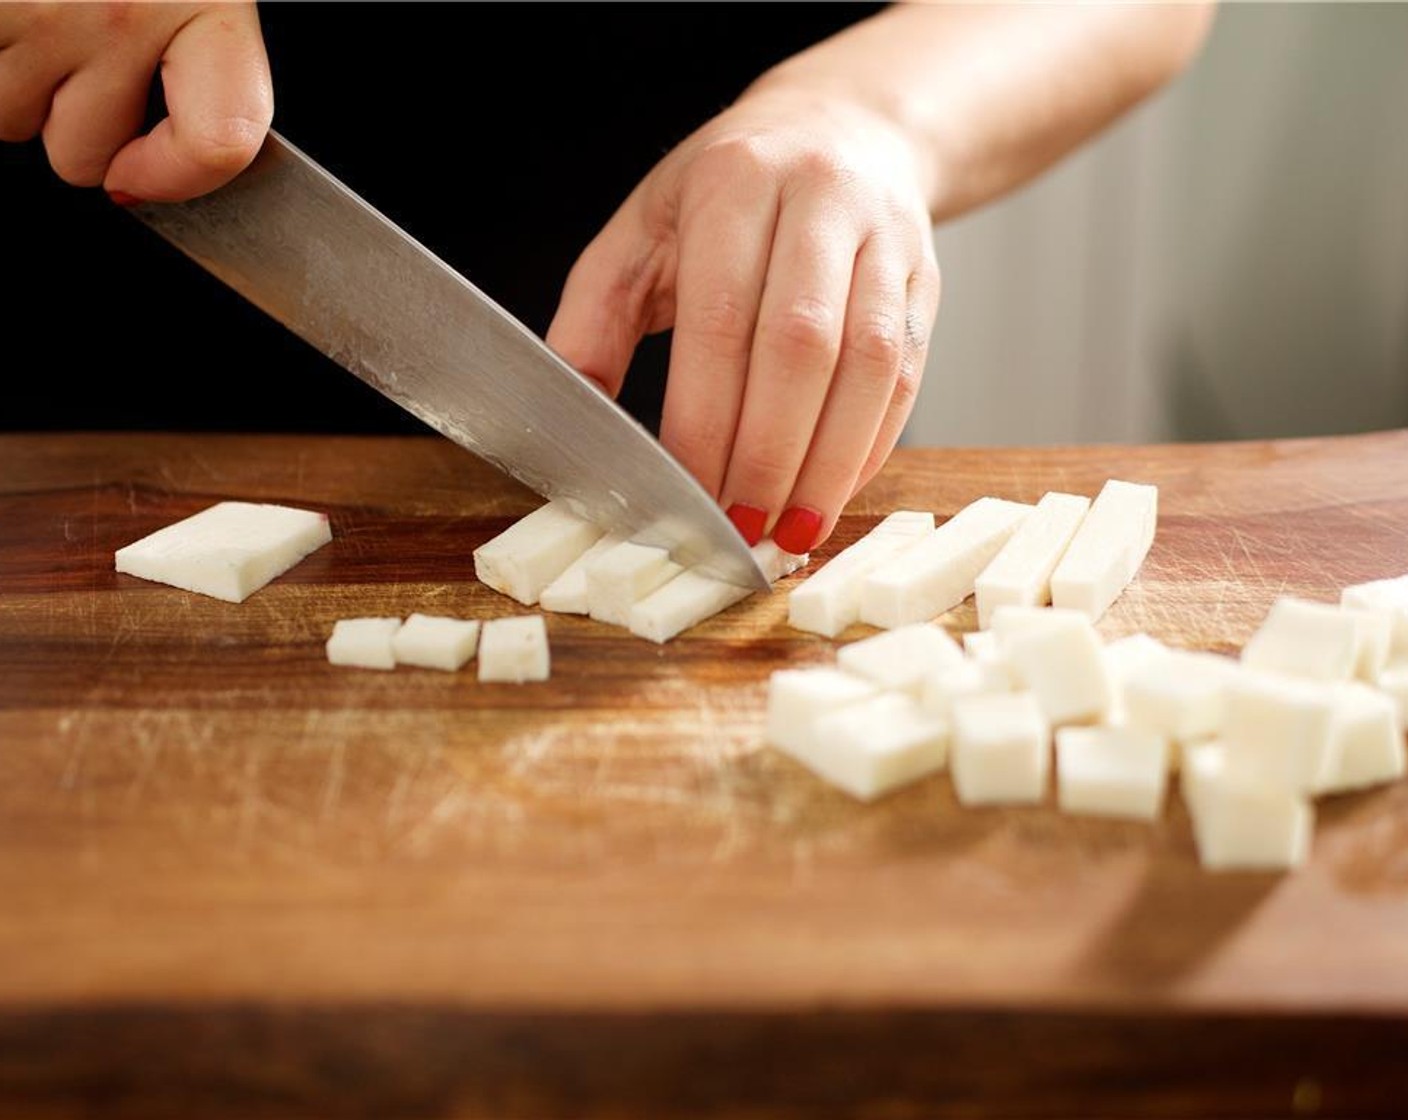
(918, 329)
(724, 319)
(768, 466)
(877, 345)
(75, 168)
(15, 129)
(729, 158)
(698, 449)
(822, 167)
(818, 163)
(908, 218)
(23, 110)
(227, 144)
(906, 389)
(928, 279)
(804, 331)
(925, 289)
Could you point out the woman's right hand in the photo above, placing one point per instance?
(80, 74)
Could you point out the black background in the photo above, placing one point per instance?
(501, 135)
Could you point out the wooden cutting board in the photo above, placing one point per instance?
(237, 881)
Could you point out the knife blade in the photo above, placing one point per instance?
(302, 246)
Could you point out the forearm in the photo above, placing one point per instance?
(989, 95)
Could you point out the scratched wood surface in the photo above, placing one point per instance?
(235, 880)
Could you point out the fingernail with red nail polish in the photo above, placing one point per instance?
(796, 529)
(750, 521)
(122, 198)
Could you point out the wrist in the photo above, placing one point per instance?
(795, 85)
(790, 93)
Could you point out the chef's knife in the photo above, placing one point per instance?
(299, 244)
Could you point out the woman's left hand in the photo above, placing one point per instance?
(789, 245)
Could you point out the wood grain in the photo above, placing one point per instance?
(239, 881)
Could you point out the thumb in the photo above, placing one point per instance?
(215, 75)
(610, 301)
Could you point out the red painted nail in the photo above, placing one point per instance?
(122, 198)
(796, 529)
(750, 521)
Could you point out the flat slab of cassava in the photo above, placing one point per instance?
(238, 881)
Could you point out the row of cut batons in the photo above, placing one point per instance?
(511, 650)
(1315, 705)
(1064, 550)
(556, 560)
(905, 570)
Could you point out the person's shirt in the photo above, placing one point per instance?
(501, 136)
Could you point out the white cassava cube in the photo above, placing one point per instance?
(999, 749)
(1374, 641)
(435, 642)
(1388, 597)
(981, 649)
(1202, 762)
(1059, 660)
(1020, 574)
(937, 572)
(514, 650)
(981, 645)
(1111, 772)
(876, 746)
(685, 601)
(941, 687)
(363, 643)
(1180, 695)
(1108, 548)
(1126, 656)
(899, 659)
(798, 697)
(1282, 729)
(1393, 683)
(1009, 621)
(622, 576)
(1241, 823)
(691, 597)
(1305, 639)
(532, 552)
(1370, 738)
(1123, 658)
(829, 601)
(567, 594)
(228, 551)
